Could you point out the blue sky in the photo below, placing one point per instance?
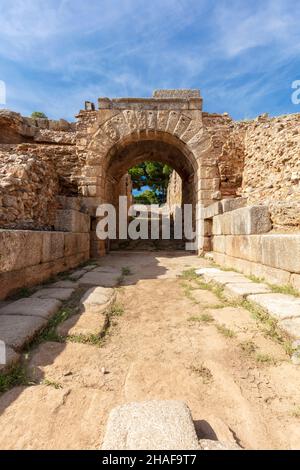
(242, 55)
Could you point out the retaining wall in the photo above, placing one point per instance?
(242, 239)
(30, 257)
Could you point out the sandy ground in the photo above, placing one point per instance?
(173, 341)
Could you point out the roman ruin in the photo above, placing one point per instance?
(245, 178)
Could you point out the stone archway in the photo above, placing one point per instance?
(168, 127)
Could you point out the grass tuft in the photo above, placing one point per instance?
(225, 331)
(15, 376)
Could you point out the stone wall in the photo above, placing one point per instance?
(30, 257)
(38, 161)
(242, 239)
(28, 187)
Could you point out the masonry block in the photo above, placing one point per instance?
(53, 246)
(248, 247)
(72, 221)
(282, 251)
(250, 220)
(19, 248)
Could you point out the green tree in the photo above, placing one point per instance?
(38, 115)
(155, 175)
(147, 197)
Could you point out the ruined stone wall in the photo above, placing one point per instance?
(272, 168)
(28, 187)
(38, 161)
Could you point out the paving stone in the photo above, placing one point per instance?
(291, 327)
(107, 269)
(97, 299)
(86, 323)
(65, 284)
(77, 274)
(71, 364)
(33, 307)
(17, 330)
(99, 279)
(224, 278)
(151, 425)
(203, 271)
(281, 306)
(241, 290)
(58, 293)
(11, 358)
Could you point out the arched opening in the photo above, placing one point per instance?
(139, 148)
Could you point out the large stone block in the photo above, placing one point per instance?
(280, 306)
(250, 220)
(222, 224)
(212, 210)
(233, 203)
(282, 251)
(152, 425)
(247, 247)
(72, 221)
(271, 275)
(53, 246)
(19, 249)
(76, 243)
(219, 243)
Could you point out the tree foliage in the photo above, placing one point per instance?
(154, 175)
(38, 115)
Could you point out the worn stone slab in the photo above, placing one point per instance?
(58, 293)
(225, 277)
(107, 269)
(18, 330)
(77, 274)
(99, 279)
(280, 306)
(240, 290)
(244, 221)
(11, 358)
(65, 284)
(86, 323)
(151, 425)
(70, 364)
(97, 299)
(33, 307)
(203, 271)
(291, 327)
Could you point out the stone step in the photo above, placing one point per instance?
(151, 425)
(283, 307)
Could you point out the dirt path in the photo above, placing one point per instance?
(170, 340)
